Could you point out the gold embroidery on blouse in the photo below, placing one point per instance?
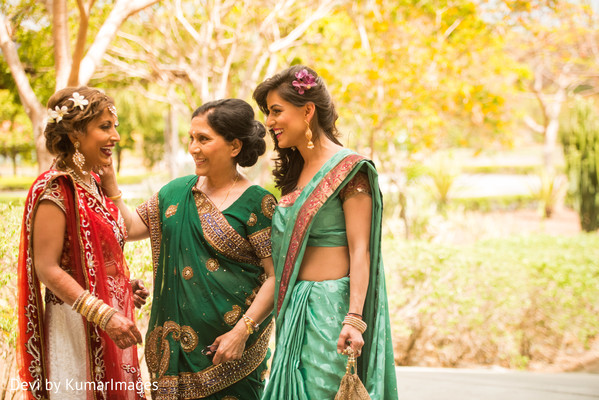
(230, 398)
(212, 265)
(194, 385)
(358, 184)
(149, 212)
(171, 210)
(220, 234)
(231, 317)
(261, 242)
(187, 273)
(252, 220)
(269, 204)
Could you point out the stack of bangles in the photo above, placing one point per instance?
(250, 324)
(355, 320)
(93, 309)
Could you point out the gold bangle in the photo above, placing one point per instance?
(251, 325)
(80, 300)
(95, 310)
(355, 322)
(97, 317)
(118, 196)
(86, 306)
(106, 318)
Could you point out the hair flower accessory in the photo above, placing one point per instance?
(79, 101)
(57, 114)
(304, 81)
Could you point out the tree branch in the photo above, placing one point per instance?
(31, 104)
(121, 11)
(60, 34)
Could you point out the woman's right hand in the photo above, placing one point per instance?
(123, 331)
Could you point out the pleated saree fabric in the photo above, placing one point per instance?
(309, 315)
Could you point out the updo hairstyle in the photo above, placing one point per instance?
(75, 120)
(234, 119)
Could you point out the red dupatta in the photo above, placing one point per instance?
(96, 235)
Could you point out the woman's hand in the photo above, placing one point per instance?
(352, 337)
(123, 331)
(108, 179)
(140, 293)
(230, 346)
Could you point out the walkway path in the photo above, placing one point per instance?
(461, 384)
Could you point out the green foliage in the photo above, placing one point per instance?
(141, 126)
(16, 182)
(580, 138)
(507, 301)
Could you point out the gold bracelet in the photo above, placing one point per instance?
(80, 299)
(87, 305)
(95, 310)
(250, 324)
(106, 318)
(355, 322)
(118, 196)
(97, 317)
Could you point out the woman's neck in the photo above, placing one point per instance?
(323, 150)
(217, 182)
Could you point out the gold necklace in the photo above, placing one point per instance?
(229, 191)
(91, 187)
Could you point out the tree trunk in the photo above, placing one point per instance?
(171, 141)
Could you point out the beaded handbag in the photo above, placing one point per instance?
(351, 387)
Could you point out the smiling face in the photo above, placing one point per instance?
(286, 121)
(99, 140)
(211, 153)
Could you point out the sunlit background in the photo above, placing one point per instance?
(481, 116)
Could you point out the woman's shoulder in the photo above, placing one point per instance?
(180, 182)
(256, 198)
(47, 177)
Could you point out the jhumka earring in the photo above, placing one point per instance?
(78, 158)
(309, 135)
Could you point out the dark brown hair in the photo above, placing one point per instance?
(74, 121)
(289, 163)
(234, 119)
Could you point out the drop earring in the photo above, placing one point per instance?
(309, 135)
(78, 158)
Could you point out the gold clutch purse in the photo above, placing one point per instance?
(351, 387)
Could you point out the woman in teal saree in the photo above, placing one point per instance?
(210, 321)
(326, 242)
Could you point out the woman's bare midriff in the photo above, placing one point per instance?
(324, 263)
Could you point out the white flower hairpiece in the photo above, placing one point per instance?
(79, 101)
(57, 114)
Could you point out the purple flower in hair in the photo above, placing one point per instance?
(304, 81)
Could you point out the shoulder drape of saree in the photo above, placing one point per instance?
(376, 365)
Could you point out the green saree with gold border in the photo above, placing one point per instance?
(207, 271)
(309, 315)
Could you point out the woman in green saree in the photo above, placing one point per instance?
(210, 321)
(326, 237)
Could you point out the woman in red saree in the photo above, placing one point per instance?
(78, 340)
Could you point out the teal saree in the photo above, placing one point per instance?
(207, 271)
(309, 315)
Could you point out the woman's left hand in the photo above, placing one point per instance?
(230, 346)
(140, 293)
(352, 337)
